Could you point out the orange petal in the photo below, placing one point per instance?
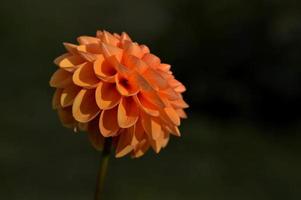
(108, 124)
(180, 89)
(87, 40)
(179, 103)
(71, 48)
(144, 49)
(164, 67)
(145, 105)
(151, 126)
(109, 50)
(181, 113)
(134, 50)
(153, 98)
(56, 98)
(170, 94)
(126, 86)
(103, 69)
(84, 107)
(140, 149)
(61, 79)
(94, 134)
(124, 143)
(127, 112)
(84, 76)
(133, 62)
(125, 37)
(152, 60)
(69, 62)
(68, 95)
(171, 115)
(109, 38)
(96, 139)
(155, 79)
(107, 95)
(66, 118)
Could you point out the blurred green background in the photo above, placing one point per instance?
(240, 61)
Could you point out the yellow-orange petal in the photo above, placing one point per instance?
(66, 118)
(133, 62)
(164, 67)
(134, 50)
(152, 60)
(144, 49)
(69, 62)
(84, 76)
(71, 48)
(181, 113)
(61, 79)
(146, 106)
(179, 103)
(108, 124)
(124, 145)
(151, 126)
(109, 50)
(171, 115)
(109, 38)
(107, 95)
(126, 86)
(56, 99)
(87, 40)
(140, 149)
(180, 88)
(104, 70)
(68, 95)
(84, 107)
(155, 79)
(125, 37)
(170, 94)
(96, 139)
(128, 112)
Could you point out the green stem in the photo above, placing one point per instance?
(103, 168)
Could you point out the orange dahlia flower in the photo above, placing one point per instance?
(110, 86)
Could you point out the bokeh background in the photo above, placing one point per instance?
(240, 61)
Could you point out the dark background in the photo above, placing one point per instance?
(240, 61)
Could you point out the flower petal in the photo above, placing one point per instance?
(68, 95)
(107, 95)
(61, 79)
(104, 70)
(152, 60)
(145, 105)
(181, 113)
(56, 99)
(69, 62)
(71, 48)
(109, 50)
(126, 86)
(151, 126)
(134, 50)
(87, 40)
(66, 118)
(124, 143)
(171, 115)
(127, 112)
(108, 124)
(84, 107)
(109, 38)
(84, 76)
(140, 148)
(180, 89)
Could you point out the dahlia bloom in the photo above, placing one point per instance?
(110, 86)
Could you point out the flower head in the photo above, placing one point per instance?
(110, 86)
